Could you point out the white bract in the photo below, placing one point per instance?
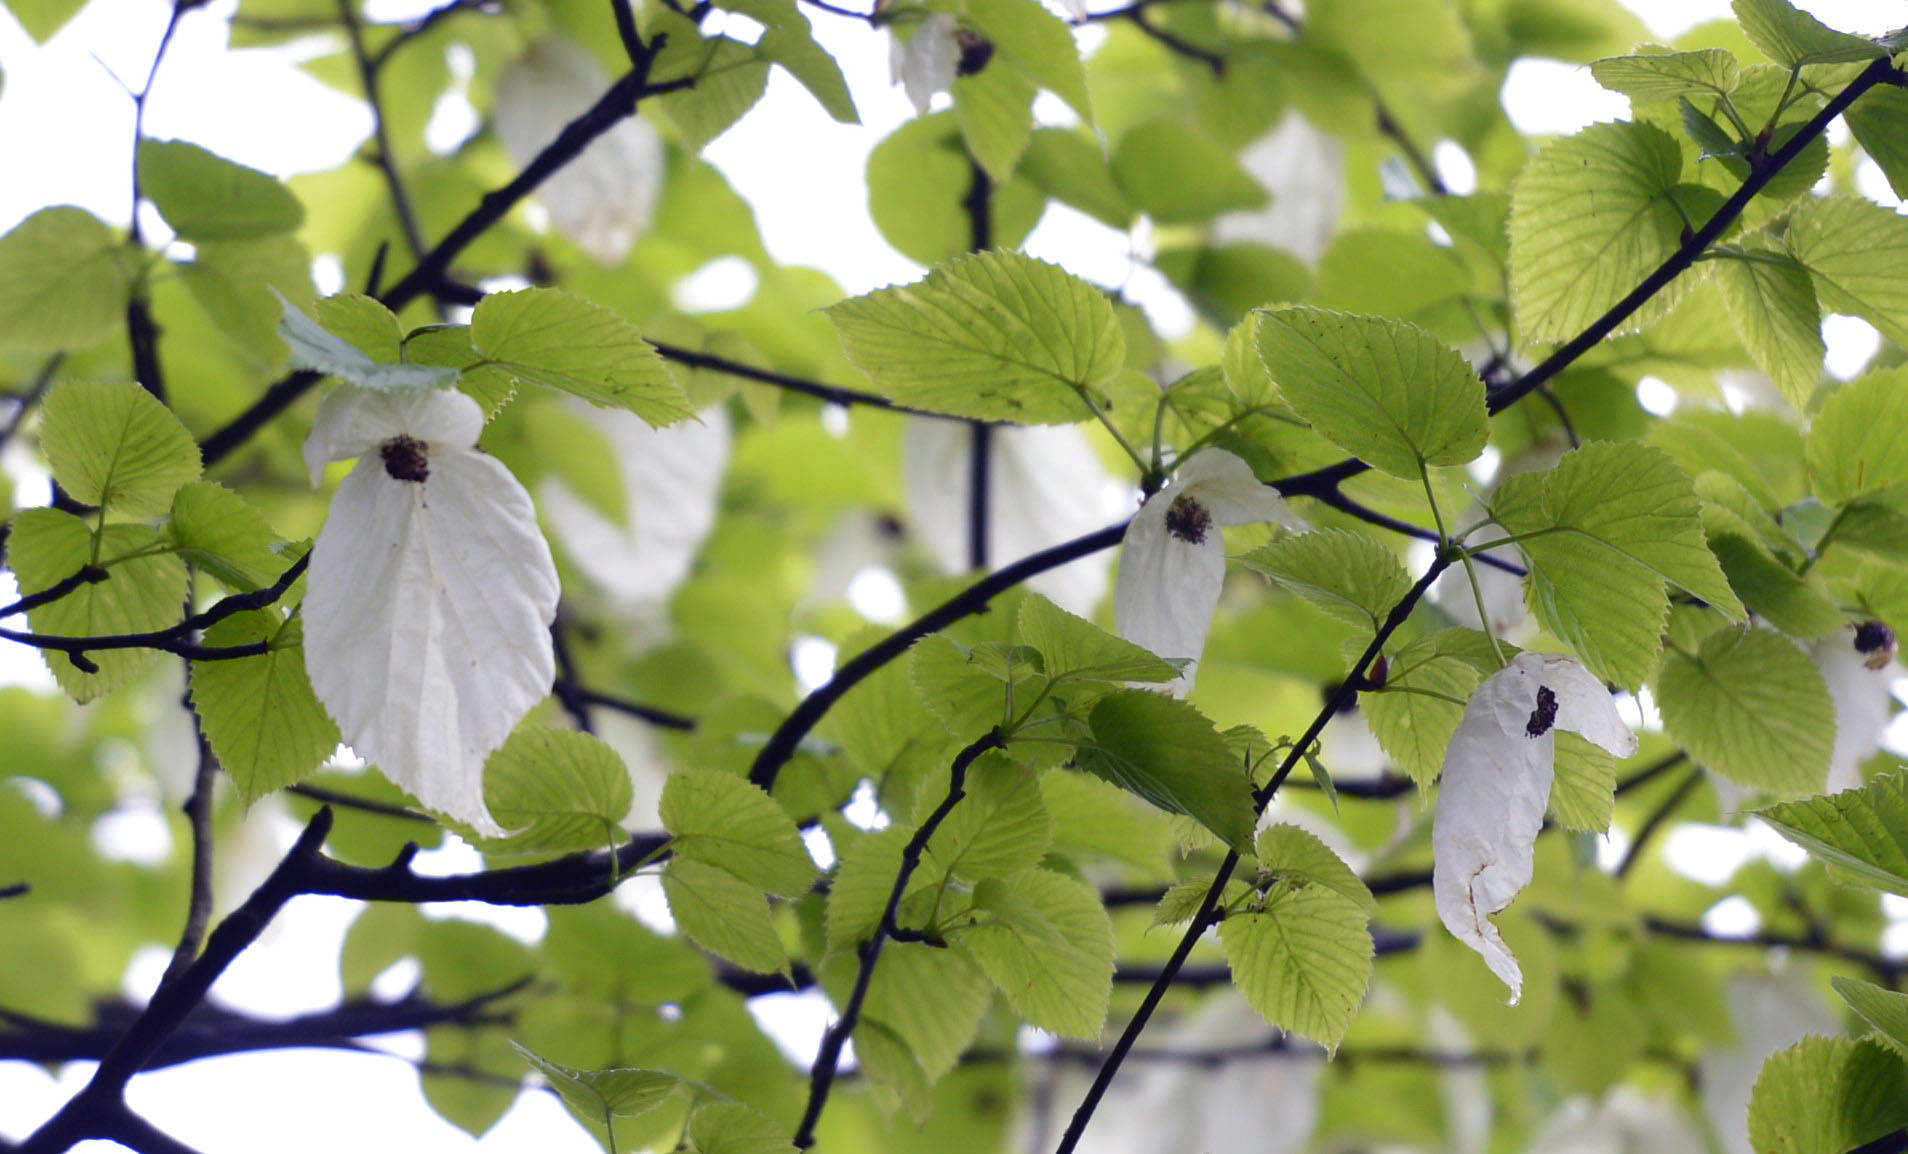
(1496, 785)
(430, 594)
(1045, 485)
(1173, 558)
(1304, 170)
(602, 200)
(314, 348)
(1858, 685)
(925, 63)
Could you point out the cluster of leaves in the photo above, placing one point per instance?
(997, 815)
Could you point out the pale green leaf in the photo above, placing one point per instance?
(1583, 791)
(999, 829)
(733, 1128)
(1827, 1096)
(1592, 215)
(911, 175)
(259, 713)
(1176, 174)
(1879, 121)
(1752, 707)
(789, 41)
(864, 878)
(727, 821)
(992, 336)
(932, 999)
(63, 282)
(1857, 251)
(1303, 958)
(1771, 590)
(1384, 390)
(204, 196)
(1792, 38)
(1771, 303)
(1854, 447)
(143, 593)
(1862, 832)
(1045, 941)
(724, 915)
(1350, 576)
(1072, 167)
(621, 1091)
(117, 446)
(544, 336)
(1039, 43)
(364, 323)
(1656, 76)
(220, 533)
(1286, 851)
(1608, 528)
(1074, 647)
(556, 790)
(1885, 1010)
(1169, 753)
(1426, 685)
(729, 79)
(994, 108)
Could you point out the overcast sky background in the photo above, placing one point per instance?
(65, 134)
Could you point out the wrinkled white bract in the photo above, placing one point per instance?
(925, 64)
(429, 603)
(604, 199)
(1863, 706)
(673, 477)
(1044, 488)
(314, 348)
(1173, 558)
(1496, 785)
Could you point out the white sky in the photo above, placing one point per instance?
(65, 132)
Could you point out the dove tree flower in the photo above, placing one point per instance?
(430, 593)
(1173, 558)
(1496, 785)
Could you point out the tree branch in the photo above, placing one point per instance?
(667, 719)
(382, 156)
(822, 1074)
(198, 811)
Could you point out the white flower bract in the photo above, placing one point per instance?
(430, 594)
(926, 62)
(1173, 557)
(1496, 785)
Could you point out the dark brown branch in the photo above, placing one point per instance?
(198, 811)
(382, 155)
(88, 575)
(1655, 821)
(833, 394)
(782, 744)
(342, 800)
(429, 21)
(667, 719)
(828, 1060)
(1338, 500)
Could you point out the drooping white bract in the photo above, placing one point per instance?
(430, 593)
(313, 347)
(1304, 170)
(1857, 680)
(925, 63)
(1173, 558)
(1496, 785)
(604, 199)
(1045, 487)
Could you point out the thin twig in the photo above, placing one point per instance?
(342, 800)
(822, 1075)
(1337, 499)
(1656, 819)
(582, 694)
(382, 155)
(198, 811)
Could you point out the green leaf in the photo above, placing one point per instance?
(1771, 303)
(863, 880)
(951, 684)
(1039, 44)
(1879, 121)
(143, 594)
(729, 79)
(1592, 215)
(42, 18)
(1609, 527)
(1074, 647)
(220, 533)
(1857, 251)
(732, 1128)
(1853, 449)
(259, 713)
(999, 829)
(1772, 591)
(1827, 1096)
(1885, 1010)
(994, 108)
(544, 336)
(911, 173)
(1350, 576)
(116, 446)
(724, 915)
(1657, 76)
(1168, 753)
(365, 324)
(727, 821)
(624, 1092)
(1793, 38)
(556, 790)
(1862, 832)
(1752, 707)
(1381, 389)
(1302, 957)
(1072, 167)
(1286, 851)
(931, 999)
(204, 196)
(789, 41)
(63, 283)
(1426, 685)
(1583, 793)
(1176, 174)
(992, 336)
(1394, 274)
(1045, 941)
